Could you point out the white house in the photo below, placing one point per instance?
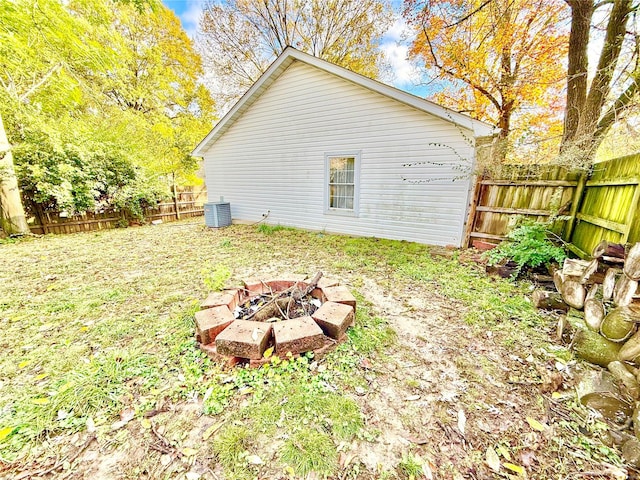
(316, 146)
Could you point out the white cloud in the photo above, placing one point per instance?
(395, 46)
(190, 17)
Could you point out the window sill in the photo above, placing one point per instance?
(340, 212)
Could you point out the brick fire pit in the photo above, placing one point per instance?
(226, 334)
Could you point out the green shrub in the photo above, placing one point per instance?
(529, 246)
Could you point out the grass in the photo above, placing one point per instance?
(95, 324)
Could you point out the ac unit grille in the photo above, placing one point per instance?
(217, 215)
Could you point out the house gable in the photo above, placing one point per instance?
(291, 55)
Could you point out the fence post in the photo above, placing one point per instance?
(471, 218)
(575, 204)
(175, 201)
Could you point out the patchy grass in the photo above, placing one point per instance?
(98, 327)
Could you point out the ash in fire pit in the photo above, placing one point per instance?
(294, 316)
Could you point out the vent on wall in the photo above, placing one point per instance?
(217, 214)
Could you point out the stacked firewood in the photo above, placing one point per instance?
(601, 313)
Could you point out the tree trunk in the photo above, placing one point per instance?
(581, 13)
(12, 217)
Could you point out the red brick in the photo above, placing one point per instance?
(297, 335)
(327, 282)
(213, 354)
(339, 294)
(280, 285)
(255, 286)
(244, 338)
(210, 322)
(334, 318)
(228, 298)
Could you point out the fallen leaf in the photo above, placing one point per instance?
(5, 432)
(165, 459)
(65, 387)
(145, 423)
(41, 376)
(536, 425)
(254, 460)
(268, 352)
(416, 440)
(192, 475)
(23, 364)
(40, 401)
(211, 430)
(189, 452)
(254, 334)
(127, 414)
(91, 426)
(412, 398)
(492, 459)
(528, 458)
(514, 468)
(504, 452)
(462, 421)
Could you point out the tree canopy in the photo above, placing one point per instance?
(240, 38)
(501, 61)
(101, 100)
(599, 98)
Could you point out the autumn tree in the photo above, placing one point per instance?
(596, 101)
(101, 100)
(240, 38)
(498, 60)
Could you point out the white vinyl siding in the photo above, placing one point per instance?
(413, 182)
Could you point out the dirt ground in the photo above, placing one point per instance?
(457, 396)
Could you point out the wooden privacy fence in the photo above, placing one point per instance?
(600, 206)
(187, 203)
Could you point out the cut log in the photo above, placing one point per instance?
(594, 348)
(608, 249)
(618, 325)
(632, 263)
(609, 283)
(630, 351)
(558, 279)
(593, 314)
(627, 379)
(546, 300)
(599, 391)
(592, 294)
(573, 293)
(561, 327)
(581, 269)
(624, 290)
(631, 450)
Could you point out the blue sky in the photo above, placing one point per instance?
(395, 48)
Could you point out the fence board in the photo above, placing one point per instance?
(189, 203)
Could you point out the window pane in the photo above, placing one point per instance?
(341, 182)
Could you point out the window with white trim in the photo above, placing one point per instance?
(342, 183)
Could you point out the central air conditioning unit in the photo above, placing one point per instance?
(217, 214)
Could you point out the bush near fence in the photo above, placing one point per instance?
(188, 203)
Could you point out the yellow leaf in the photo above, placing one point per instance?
(41, 376)
(64, 387)
(84, 329)
(40, 401)
(145, 423)
(536, 425)
(504, 452)
(23, 364)
(268, 352)
(493, 460)
(5, 432)
(556, 395)
(514, 468)
(189, 452)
